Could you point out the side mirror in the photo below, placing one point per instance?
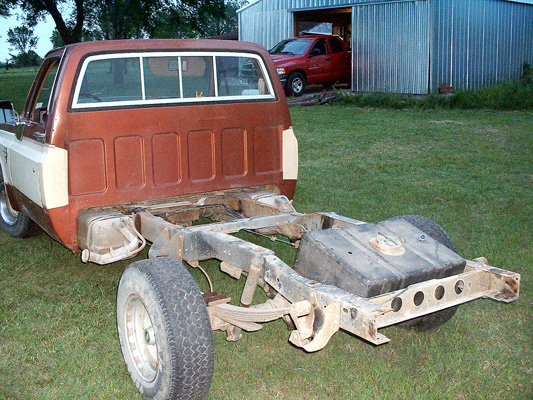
(7, 113)
(314, 52)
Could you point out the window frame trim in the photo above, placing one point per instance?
(173, 101)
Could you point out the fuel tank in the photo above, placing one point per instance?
(371, 259)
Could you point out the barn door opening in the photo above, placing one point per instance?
(335, 21)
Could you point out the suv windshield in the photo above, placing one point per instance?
(295, 47)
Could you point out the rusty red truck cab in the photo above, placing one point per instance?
(144, 120)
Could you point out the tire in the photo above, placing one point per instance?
(431, 228)
(13, 222)
(164, 330)
(296, 84)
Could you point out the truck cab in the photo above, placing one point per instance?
(110, 123)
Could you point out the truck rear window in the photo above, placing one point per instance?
(159, 78)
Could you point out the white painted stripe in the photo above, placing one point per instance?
(37, 170)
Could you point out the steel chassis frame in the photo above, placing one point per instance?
(314, 312)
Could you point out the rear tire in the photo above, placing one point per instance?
(12, 222)
(164, 330)
(436, 319)
(296, 84)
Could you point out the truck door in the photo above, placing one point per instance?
(320, 62)
(339, 60)
(36, 167)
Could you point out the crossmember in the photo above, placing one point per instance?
(313, 301)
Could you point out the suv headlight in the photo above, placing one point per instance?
(280, 71)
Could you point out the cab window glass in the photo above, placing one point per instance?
(240, 76)
(336, 45)
(161, 77)
(111, 80)
(197, 76)
(321, 46)
(40, 106)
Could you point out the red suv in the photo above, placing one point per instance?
(319, 59)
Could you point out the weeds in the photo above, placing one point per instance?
(516, 94)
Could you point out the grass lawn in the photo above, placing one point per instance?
(15, 85)
(470, 171)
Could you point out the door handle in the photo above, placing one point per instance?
(328, 59)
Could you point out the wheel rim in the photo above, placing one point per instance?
(297, 85)
(6, 211)
(141, 340)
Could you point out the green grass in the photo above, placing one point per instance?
(470, 171)
(515, 94)
(15, 85)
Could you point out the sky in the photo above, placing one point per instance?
(43, 31)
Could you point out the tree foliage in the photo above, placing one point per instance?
(69, 26)
(79, 20)
(225, 22)
(123, 19)
(197, 18)
(29, 59)
(21, 39)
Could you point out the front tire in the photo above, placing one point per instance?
(296, 84)
(431, 228)
(164, 330)
(12, 222)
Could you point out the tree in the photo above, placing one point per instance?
(86, 36)
(35, 10)
(225, 22)
(21, 39)
(193, 19)
(126, 19)
(4, 9)
(123, 19)
(29, 59)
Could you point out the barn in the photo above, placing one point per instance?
(408, 46)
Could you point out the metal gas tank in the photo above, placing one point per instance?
(372, 259)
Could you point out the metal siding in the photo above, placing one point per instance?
(390, 44)
(266, 23)
(473, 43)
(479, 43)
(269, 21)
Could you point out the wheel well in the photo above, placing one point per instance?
(301, 71)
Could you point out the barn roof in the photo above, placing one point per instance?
(252, 2)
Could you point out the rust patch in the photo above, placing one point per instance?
(513, 284)
(213, 298)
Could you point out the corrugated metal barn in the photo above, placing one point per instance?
(408, 46)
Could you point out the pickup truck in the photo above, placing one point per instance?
(313, 59)
(180, 145)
